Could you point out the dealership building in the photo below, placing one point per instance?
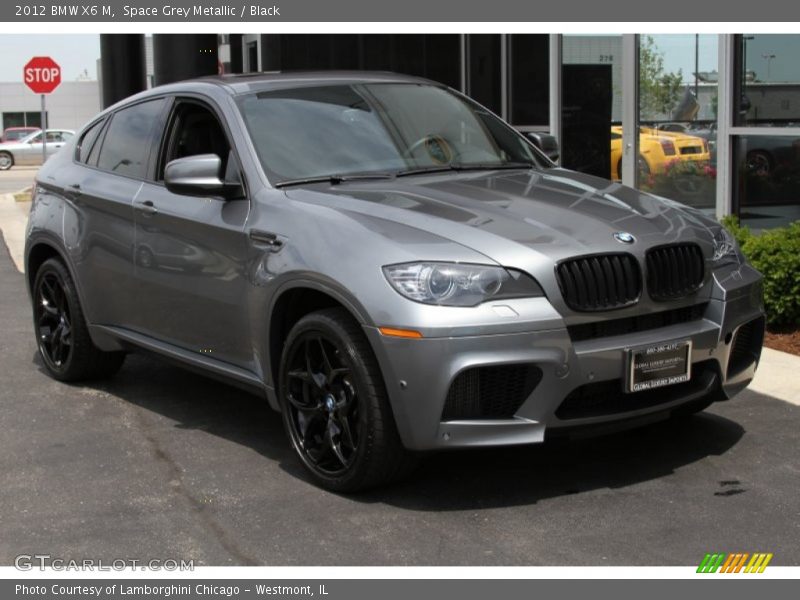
(70, 106)
(727, 124)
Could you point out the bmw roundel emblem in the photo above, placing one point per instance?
(624, 237)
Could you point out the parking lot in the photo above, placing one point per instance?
(162, 463)
(16, 179)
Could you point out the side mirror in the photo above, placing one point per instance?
(197, 175)
(544, 142)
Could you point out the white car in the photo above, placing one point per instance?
(28, 150)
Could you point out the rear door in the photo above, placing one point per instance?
(190, 251)
(113, 159)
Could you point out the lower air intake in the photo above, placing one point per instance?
(490, 392)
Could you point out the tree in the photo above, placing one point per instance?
(659, 92)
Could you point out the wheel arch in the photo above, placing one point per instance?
(295, 300)
(37, 253)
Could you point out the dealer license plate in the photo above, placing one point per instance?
(658, 365)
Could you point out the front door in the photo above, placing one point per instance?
(190, 252)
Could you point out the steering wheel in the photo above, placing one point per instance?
(436, 146)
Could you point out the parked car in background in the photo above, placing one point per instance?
(657, 149)
(12, 134)
(28, 150)
(708, 132)
(386, 263)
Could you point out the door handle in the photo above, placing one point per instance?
(146, 206)
(266, 238)
(72, 191)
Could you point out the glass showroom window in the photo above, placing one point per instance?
(591, 103)
(766, 142)
(677, 116)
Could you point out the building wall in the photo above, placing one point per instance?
(778, 102)
(69, 107)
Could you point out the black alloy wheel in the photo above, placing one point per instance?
(53, 321)
(334, 405)
(62, 335)
(324, 404)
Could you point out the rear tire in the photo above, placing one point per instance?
(62, 336)
(335, 408)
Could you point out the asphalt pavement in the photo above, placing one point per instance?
(162, 463)
(16, 179)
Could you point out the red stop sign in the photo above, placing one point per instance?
(42, 74)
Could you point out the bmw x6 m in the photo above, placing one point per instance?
(387, 263)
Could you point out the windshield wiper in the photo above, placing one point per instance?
(493, 166)
(334, 179)
(467, 167)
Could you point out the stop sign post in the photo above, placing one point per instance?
(42, 75)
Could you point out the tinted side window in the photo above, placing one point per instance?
(195, 130)
(88, 140)
(127, 144)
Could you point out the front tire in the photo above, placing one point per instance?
(62, 336)
(6, 161)
(334, 405)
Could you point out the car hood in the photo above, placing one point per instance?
(556, 212)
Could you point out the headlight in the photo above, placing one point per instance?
(724, 245)
(450, 284)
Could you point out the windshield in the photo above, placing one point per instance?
(376, 128)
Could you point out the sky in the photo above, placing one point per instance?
(679, 52)
(772, 57)
(73, 52)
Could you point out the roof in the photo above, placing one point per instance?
(249, 82)
(258, 82)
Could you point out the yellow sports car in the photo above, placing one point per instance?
(657, 149)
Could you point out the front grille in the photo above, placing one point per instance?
(612, 327)
(674, 271)
(607, 398)
(490, 392)
(746, 346)
(600, 282)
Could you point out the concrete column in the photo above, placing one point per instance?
(236, 49)
(123, 71)
(630, 109)
(555, 44)
(184, 56)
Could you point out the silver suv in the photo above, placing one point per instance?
(387, 263)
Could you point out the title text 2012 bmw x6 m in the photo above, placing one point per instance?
(390, 265)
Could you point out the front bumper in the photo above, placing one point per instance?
(578, 375)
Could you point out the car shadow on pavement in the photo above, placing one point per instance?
(446, 481)
(511, 476)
